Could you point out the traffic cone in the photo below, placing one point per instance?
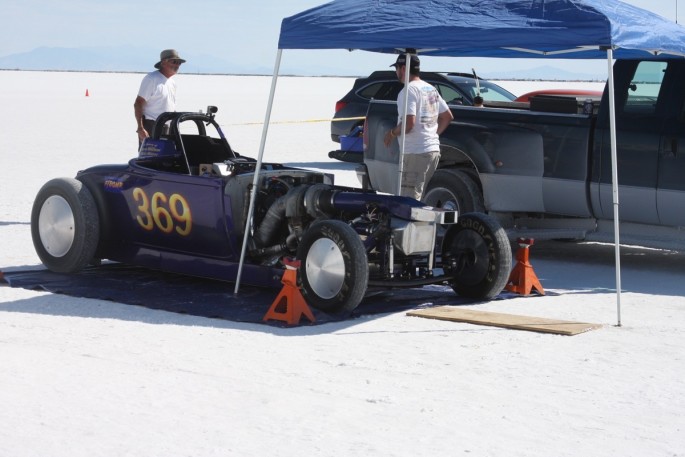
(523, 279)
(289, 305)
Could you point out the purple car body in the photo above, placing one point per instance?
(182, 205)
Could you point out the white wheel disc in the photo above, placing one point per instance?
(325, 268)
(56, 226)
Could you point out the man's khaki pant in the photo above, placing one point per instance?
(417, 170)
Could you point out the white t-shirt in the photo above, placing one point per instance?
(159, 93)
(426, 104)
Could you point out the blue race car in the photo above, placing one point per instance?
(182, 206)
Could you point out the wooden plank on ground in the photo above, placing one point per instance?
(513, 321)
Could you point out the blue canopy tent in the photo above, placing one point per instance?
(485, 28)
(575, 29)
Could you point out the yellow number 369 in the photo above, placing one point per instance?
(167, 214)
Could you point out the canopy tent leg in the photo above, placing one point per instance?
(400, 170)
(614, 180)
(258, 167)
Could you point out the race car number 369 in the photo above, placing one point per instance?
(164, 213)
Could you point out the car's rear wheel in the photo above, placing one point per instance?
(334, 269)
(64, 225)
(454, 190)
(477, 254)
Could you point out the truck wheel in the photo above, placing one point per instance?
(477, 254)
(64, 225)
(334, 268)
(454, 190)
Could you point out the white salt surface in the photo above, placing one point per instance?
(90, 378)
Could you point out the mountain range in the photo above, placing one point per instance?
(114, 59)
(138, 59)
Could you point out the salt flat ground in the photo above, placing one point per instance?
(82, 377)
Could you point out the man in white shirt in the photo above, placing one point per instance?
(427, 117)
(157, 93)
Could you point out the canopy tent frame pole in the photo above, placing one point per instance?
(614, 179)
(258, 167)
(614, 166)
(400, 169)
(609, 31)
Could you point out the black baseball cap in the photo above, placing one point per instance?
(402, 60)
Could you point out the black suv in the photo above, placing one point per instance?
(455, 88)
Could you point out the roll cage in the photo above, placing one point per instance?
(180, 143)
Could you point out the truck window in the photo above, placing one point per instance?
(643, 90)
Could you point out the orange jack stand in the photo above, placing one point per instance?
(289, 305)
(523, 279)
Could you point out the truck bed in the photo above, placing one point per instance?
(529, 157)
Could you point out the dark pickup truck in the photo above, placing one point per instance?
(544, 167)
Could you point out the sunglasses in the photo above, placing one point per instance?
(175, 61)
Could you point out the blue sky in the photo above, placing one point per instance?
(241, 32)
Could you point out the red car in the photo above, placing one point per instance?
(595, 94)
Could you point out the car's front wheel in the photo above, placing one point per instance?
(477, 254)
(334, 269)
(64, 225)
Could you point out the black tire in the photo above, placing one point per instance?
(65, 226)
(334, 269)
(454, 190)
(477, 254)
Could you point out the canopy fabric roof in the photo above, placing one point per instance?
(486, 28)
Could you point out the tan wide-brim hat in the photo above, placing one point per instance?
(168, 54)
